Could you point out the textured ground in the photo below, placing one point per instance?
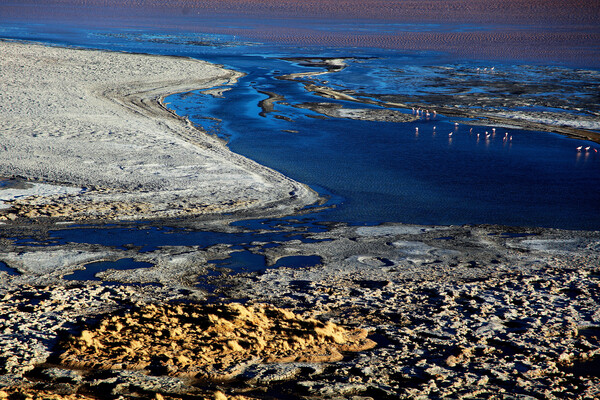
(457, 312)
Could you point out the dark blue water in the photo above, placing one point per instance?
(376, 171)
(8, 270)
(246, 261)
(387, 172)
(90, 270)
(298, 262)
(146, 238)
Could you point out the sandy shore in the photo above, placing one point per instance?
(95, 120)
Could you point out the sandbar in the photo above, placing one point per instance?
(95, 121)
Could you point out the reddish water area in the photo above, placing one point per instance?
(550, 30)
(505, 11)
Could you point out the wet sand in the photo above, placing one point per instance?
(95, 121)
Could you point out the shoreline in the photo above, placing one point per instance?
(391, 311)
(113, 135)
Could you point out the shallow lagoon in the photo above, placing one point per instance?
(377, 171)
(404, 172)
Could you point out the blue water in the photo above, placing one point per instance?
(146, 238)
(88, 273)
(387, 172)
(298, 262)
(246, 261)
(375, 171)
(8, 270)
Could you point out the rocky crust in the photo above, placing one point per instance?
(456, 312)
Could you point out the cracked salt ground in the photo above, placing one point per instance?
(461, 339)
(457, 316)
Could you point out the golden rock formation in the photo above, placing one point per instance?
(209, 341)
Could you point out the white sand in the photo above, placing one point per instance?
(555, 119)
(95, 119)
(35, 189)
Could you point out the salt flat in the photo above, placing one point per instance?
(95, 120)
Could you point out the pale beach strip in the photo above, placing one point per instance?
(95, 121)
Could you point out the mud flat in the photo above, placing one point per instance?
(94, 121)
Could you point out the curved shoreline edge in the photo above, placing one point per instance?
(111, 136)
